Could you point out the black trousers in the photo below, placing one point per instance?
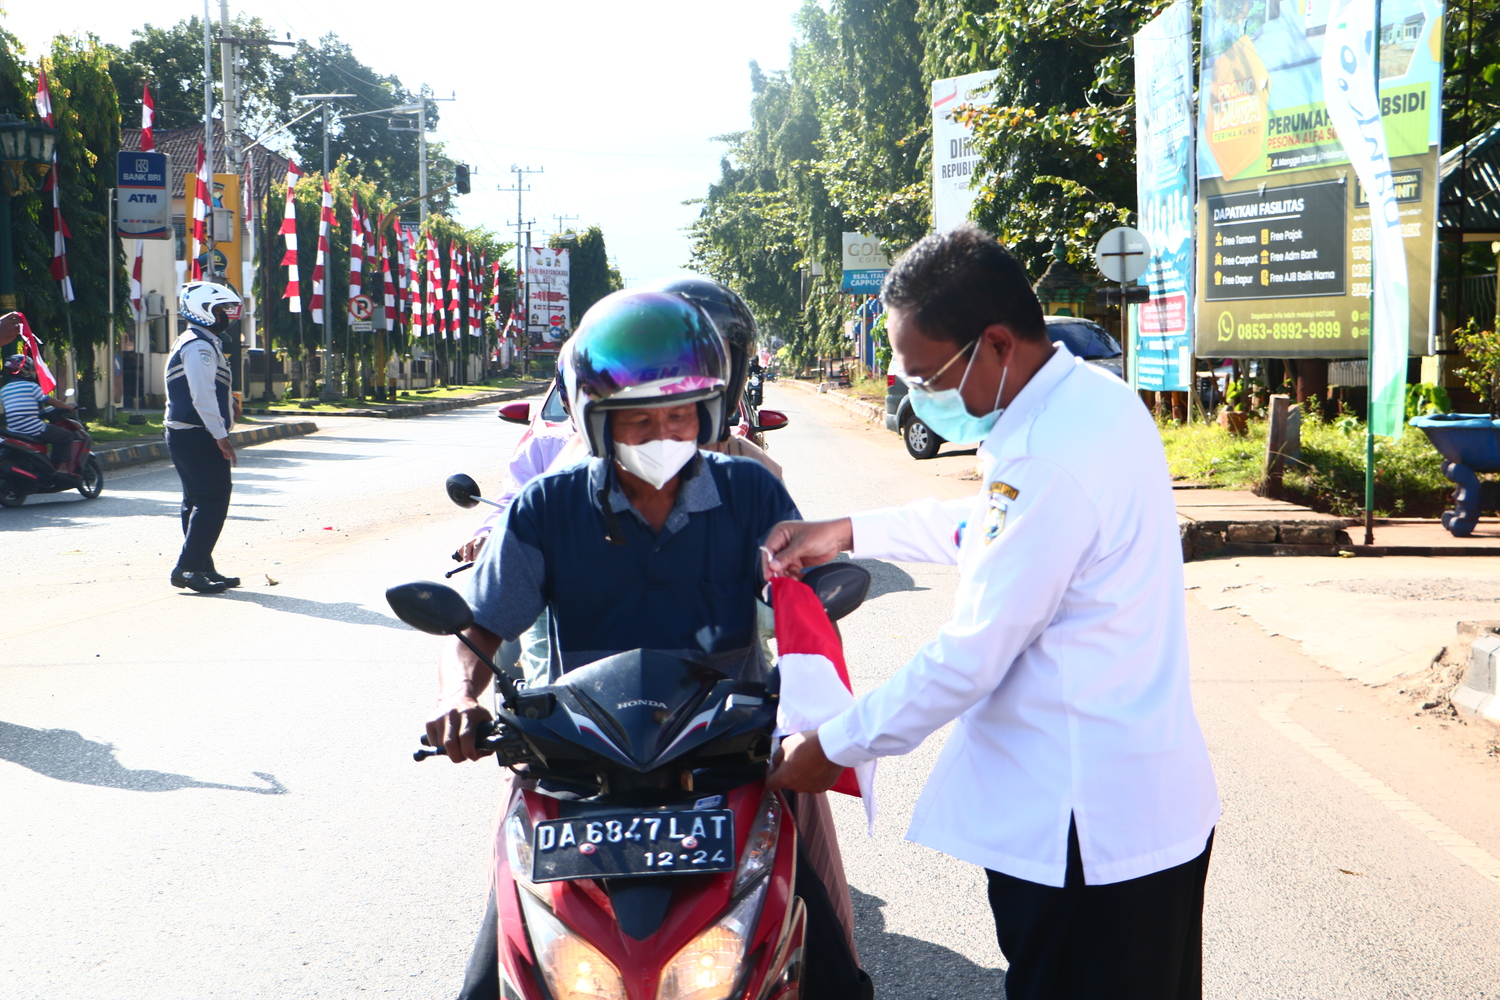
(1140, 939)
(204, 472)
(61, 440)
(829, 972)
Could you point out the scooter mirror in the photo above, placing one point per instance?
(430, 607)
(462, 490)
(70, 392)
(840, 586)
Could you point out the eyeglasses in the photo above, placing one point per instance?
(925, 384)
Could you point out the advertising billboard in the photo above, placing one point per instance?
(1284, 232)
(547, 292)
(865, 264)
(143, 209)
(1164, 186)
(954, 159)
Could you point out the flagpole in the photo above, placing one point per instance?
(1370, 348)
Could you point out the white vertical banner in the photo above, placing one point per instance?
(954, 159)
(547, 272)
(1349, 88)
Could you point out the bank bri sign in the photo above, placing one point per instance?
(143, 182)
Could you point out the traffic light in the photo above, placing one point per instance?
(1110, 296)
(461, 177)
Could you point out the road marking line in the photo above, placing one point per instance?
(1440, 833)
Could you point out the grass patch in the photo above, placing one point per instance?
(1331, 476)
(103, 433)
(404, 396)
(869, 389)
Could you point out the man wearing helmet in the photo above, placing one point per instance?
(21, 403)
(200, 413)
(650, 544)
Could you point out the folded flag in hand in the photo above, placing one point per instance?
(814, 680)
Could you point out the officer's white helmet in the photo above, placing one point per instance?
(199, 298)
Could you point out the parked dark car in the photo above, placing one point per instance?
(1083, 337)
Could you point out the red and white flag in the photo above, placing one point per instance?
(434, 290)
(390, 286)
(199, 188)
(405, 259)
(325, 223)
(814, 680)
(356, 249)
(293, 293)
(148, 118)
(476, 296)
(495, 289)
(60, 233)
(455, 265)
(32, 348)
(136, 301)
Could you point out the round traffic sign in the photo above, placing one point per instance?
(361, 307)
(1122, 254)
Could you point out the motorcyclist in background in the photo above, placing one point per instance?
(21, 404)
(649, 544)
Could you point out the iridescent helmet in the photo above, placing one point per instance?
(643, 349)
(735, 323)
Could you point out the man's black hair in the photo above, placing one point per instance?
(955, 284)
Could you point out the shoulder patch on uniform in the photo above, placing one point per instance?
(207, 359)
(1004, 489)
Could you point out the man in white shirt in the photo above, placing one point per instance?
(1076, 775)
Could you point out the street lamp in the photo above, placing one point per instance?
(22, 145)
(325, 99)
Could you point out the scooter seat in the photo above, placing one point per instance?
(26, 438)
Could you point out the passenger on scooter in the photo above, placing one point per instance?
(22, 402)
(650, 544)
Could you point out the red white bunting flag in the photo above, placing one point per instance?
(356, 249)
(148, 117)
(320, 267)
(455, 265)
(403, 264)
(136, 301)
(32, 348)
(391, 312)
(199, 196)
(293, 293)
(814, 681)
(495, 289)
(60, 233)
(476, 296)
(434, 290)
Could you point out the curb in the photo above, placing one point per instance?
(859, 407)
(140, 454)
(409, 409)
(1478, 695)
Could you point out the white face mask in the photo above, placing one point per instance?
(655, 461)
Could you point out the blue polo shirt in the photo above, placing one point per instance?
(691, 588)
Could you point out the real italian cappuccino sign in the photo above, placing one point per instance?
(1284, 234)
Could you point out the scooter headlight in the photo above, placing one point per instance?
(760, 846)
(573, 968)
(709, 967)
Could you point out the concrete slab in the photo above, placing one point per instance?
(1374, 620)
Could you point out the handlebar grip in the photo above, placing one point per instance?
(422, 755)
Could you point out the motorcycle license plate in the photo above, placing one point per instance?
(637, 843)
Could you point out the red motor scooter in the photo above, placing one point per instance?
(639, 855)
(25, 467)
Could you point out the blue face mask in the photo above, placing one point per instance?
(948, 416)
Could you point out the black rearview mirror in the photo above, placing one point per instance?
(430, 607)
(840, 586)
(462, 490)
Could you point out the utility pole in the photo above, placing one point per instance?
(208, 152)
(522, 294)
(560, 220)
(419, 108)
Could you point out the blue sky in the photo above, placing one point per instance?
(617, 102)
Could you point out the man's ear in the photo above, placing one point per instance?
(1000, 339)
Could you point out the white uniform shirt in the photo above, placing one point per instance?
(201, 364)
(1066, 659)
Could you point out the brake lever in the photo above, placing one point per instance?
(460, 569)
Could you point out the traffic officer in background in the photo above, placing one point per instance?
(200, 412)
(1076, 775)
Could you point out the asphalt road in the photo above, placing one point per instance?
(213, 796)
